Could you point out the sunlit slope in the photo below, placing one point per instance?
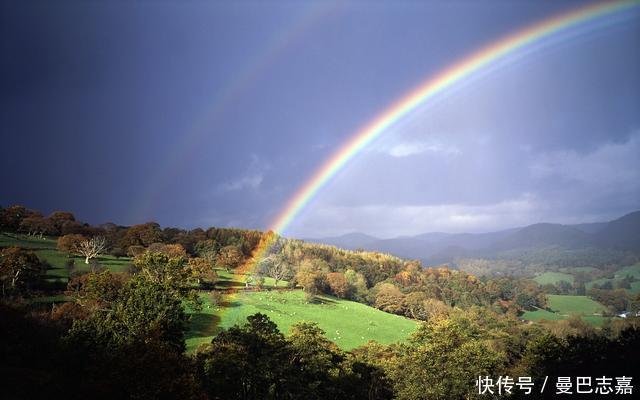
(347, 323)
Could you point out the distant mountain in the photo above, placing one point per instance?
(545, 235)
(352, 241)
(622, 233)
(439, 247)
(593, 227)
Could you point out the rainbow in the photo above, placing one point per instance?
(431, 87)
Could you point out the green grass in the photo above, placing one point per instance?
(562, 306)
(565, 305)
(347, 323)
(587, 270)
(553, 278)
(632, 270)
(229, 280)
(539, 315)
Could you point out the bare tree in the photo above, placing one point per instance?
(276, 268)
(91, 248)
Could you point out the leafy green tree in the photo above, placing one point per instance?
(247, 362)
(160, 268)
(141, 310)
(443, 360)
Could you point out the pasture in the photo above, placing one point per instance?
(563, 306)
(553, 278)
(347, 323)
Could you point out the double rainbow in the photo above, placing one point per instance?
(423, 93)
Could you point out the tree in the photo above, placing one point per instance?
(229, 257)
(19, 270)
(140, 311)
(201, 270)
(338, 284)
(141, 235)
(172, 250)
(60, 218)
(160, 268)
(275, 267)
(91, 248)
(70, 243)
(247, 362)
(11, 217)
(387, 297)
(357, 284)
(310, 276)
(443, 359)
(36, 225)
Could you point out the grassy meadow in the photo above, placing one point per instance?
(563, 306)
(347, 323)
(553, 278)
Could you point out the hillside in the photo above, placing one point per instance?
(347, 323)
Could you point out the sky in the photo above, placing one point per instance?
(198, 114)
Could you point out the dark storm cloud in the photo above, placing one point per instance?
(121, 111)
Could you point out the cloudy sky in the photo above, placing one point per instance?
(215, 113)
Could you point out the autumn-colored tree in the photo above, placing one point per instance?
(310, 276)
(229, 257)
(19, 270)
(60, 218)
(70, 243)
(134, 251)
(141, 235)
(201, 270)
(338, 284)
(36, 225)
(95, 290)
(387, 297)
(171, 250)
(11, 217)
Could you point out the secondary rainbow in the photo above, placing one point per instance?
(421, 94)
(427, 90)
(431, 87)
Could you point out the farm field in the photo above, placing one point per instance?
(629, 271)
(565, 304)
(553, 278)
(347, 323)
(562, 306)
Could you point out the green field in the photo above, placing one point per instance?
(553, 278)
(231, 280)
(631, 271)
(347, 323)
(46, 250)
(562, 306)
(565, 305)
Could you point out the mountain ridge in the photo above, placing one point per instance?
(620, 234)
